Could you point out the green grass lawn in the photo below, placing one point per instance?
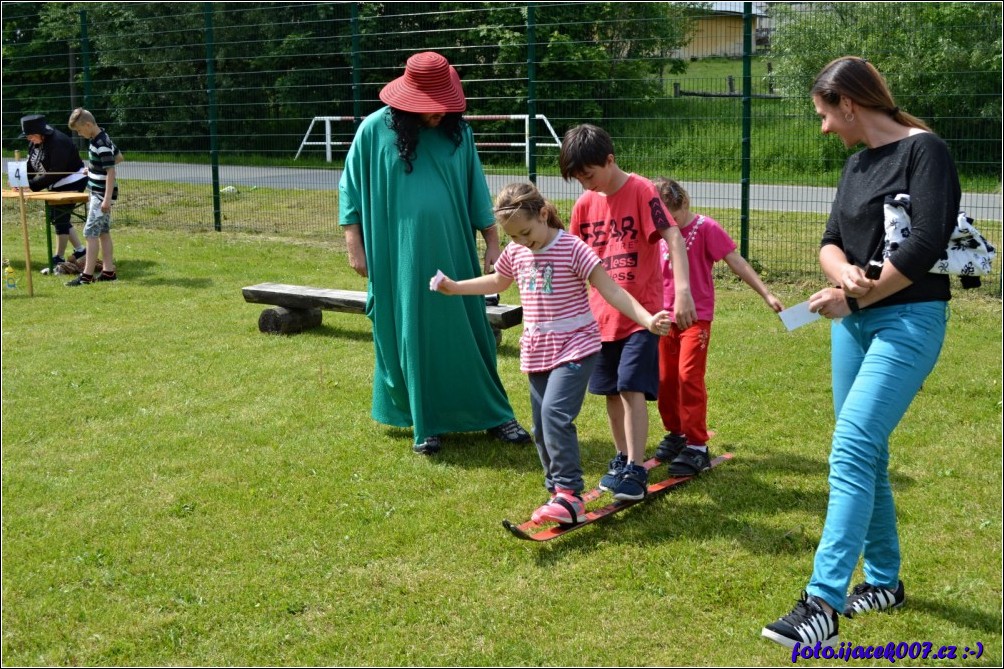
(180, 489)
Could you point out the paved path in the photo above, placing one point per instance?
(981, 206)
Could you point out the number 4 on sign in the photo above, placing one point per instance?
(17, 174)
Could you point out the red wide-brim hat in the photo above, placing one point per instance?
(430, 85)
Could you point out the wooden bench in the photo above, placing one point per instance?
(298, 308)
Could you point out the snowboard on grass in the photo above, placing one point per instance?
(529, 530)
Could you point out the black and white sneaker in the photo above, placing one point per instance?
(866, 597)
(807, 623)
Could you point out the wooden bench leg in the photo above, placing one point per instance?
(280, 320)
(498, 336)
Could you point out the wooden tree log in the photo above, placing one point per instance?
(280, 320)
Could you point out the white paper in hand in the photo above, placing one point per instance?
(436, 280)
(797, 316)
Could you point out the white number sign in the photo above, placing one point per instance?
(17, 174)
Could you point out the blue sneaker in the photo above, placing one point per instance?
(633, 485)
(613, 475)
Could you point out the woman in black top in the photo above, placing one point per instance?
(886, 336)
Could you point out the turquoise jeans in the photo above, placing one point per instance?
(880, 358)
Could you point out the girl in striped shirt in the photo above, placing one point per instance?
(561, 338)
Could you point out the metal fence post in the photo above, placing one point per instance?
(531, 93)
(357, 66)
(85, 56)
(214, 148)
(744, 215)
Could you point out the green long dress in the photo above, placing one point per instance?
(435, 354)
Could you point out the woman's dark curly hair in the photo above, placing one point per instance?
(407, 124)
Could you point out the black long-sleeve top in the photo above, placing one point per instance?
(52, 160)
(921, 166)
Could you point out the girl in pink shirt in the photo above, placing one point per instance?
(553, 270)
(683, 355)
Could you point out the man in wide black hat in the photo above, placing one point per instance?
(54, 163)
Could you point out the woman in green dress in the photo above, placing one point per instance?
(411, 198)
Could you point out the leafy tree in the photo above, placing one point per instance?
(274, 76)
(36, 58)
(942, 60)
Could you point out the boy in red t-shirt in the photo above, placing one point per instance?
(622, 218)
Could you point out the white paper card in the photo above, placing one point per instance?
(436, 280)
(17, 174)
(797, 316)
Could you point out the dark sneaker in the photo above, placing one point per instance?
(690, 462)
(613, 475)
(670, 447)
(77, 256)
(564, 508)
(510, 432)
(108, 276)
(58, 259)
(633, 484)
(82, 280)
(430, 446)
(807, 624)
(866, 597)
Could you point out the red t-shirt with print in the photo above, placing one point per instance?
(623, 230)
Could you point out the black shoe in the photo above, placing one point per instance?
(108, 276)
(690, 462)
(430, 446)
(670, 447)
(82, 280)
(866, 597)
(807, 624)
(510, 432)
(58, 259)
(77, 256)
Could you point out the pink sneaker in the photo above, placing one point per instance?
(565, 507)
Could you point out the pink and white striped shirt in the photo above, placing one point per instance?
(558, 326)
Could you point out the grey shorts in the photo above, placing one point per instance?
(98, 222)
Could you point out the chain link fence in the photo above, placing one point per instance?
(235, 117)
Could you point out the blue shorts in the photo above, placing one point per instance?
(628, 365)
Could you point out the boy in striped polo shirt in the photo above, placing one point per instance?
(103, 155)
